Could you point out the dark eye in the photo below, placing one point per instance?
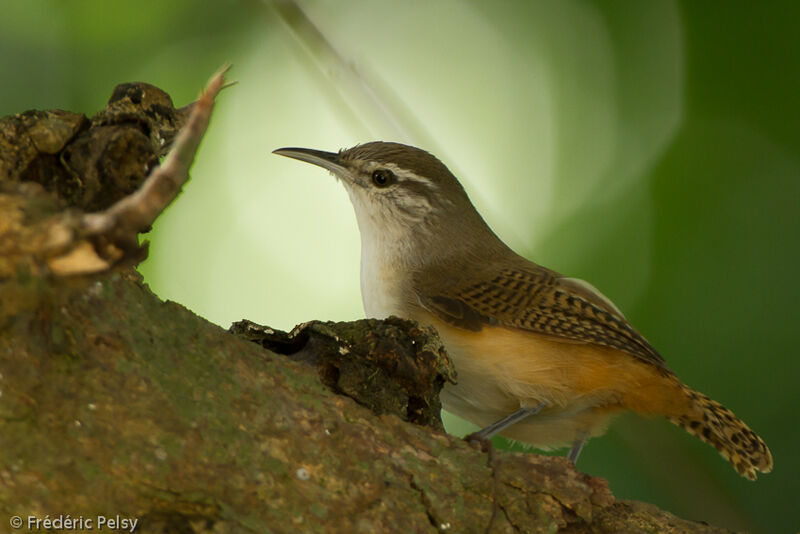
(382, 177)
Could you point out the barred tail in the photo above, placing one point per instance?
(719, 427)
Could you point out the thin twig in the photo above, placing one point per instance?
(136, 212)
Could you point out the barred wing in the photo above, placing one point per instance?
(540, 301)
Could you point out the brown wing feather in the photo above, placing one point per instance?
(541, 301)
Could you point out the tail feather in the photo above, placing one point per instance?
(719, 427)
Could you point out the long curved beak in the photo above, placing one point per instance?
(326, 160)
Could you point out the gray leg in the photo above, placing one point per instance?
(576, 449)
(507, 421)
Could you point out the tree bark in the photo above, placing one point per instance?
(116, 405)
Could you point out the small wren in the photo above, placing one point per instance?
(541, 358)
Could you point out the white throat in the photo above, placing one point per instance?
(384, 259)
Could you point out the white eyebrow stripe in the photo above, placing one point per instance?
(405, 174)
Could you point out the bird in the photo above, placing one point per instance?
(541, 358)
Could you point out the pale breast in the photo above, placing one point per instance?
(379, 293)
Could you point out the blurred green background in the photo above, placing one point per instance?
(650, 147)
